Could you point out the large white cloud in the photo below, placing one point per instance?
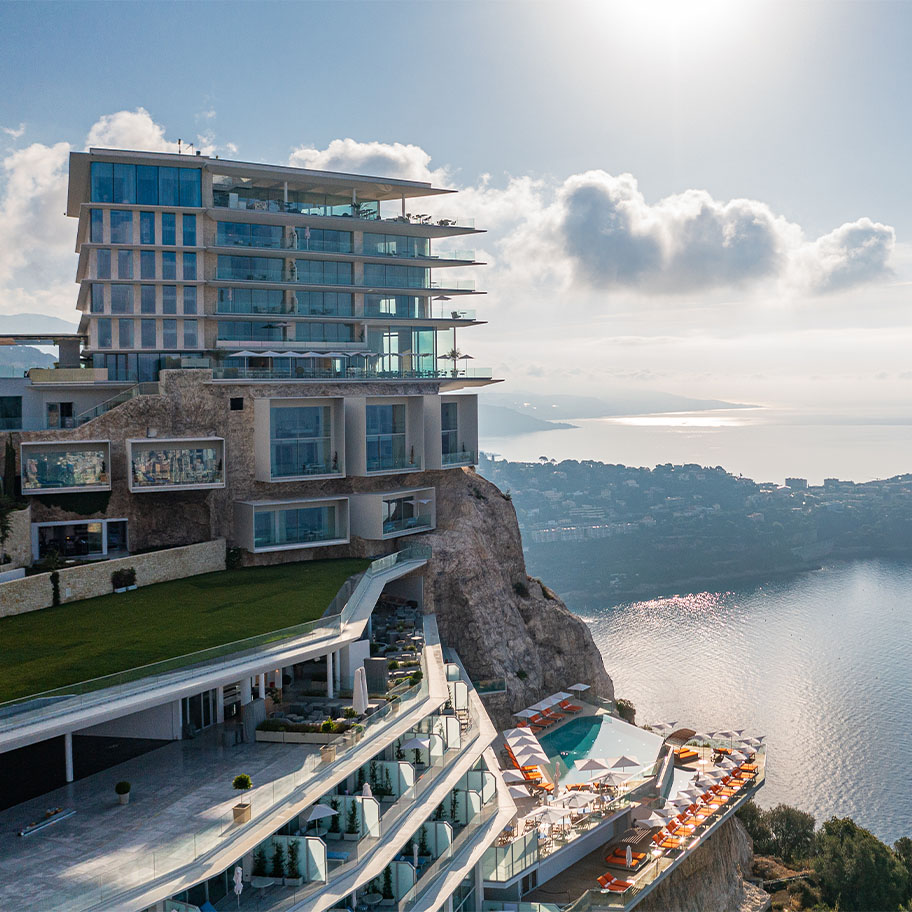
(374, 159)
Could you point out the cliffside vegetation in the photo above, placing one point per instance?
(838, 867)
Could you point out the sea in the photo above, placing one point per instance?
(820, 663)
(766, 444)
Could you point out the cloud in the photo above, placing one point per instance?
(137, 130)
(15, 132)
(406, 162)
(853, 254)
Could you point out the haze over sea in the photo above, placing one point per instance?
(766, 444)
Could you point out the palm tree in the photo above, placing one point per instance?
(454, 355)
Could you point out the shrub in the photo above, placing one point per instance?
(792, 832)
(125, 576)
(233, 558)
(242, 782)
(334, 820)
(393, 665)
(415, 678)
(55, 588)
(521, 589)
(349, 712)
(626, 710)
(522, 674)
(122, 787)
(754, 820)
(351, 821)
(387, 890)
(259, 862)
(328, 727)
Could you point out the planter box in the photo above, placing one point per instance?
(124, 799)
(328, 753)
(294, 881)
(241, 813)
(388, 799)
(351, 837)
(296, 737)
(335, 837)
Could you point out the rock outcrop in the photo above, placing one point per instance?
(712, 878)
(500, 621)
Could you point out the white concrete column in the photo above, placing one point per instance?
(330, 677)
(68, 755)
(219, 705)
(262, 680)
(479, 886)
(246, 691)
(338, 669)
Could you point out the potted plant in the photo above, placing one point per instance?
(335, 831)
(352, 826)
(293, 876)
(328, 753)
(241, 810)
(258, 877)
(387, 890)
(278, 862)
(388, 796)
(122, 790)
(424, 851)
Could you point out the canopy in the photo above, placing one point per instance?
(525, 713)
(514, 733)
(543, 704)
(519, 791)
(578, 799)
(561, 695)
(549, 813)
(624, 761)
(512, 776)
(579, 688)
(243, 354)
(609, 778)
(416, 744)
(592, 763)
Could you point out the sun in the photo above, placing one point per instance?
(682, 22)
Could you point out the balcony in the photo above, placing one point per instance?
(409, 524)
(300, 372)
(459, 458)
(285, 525)
(176, 465)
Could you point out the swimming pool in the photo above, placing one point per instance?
(598, 736)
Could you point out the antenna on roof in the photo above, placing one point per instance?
(178, 146)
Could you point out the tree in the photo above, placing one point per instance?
(278, 860)
(6, 522)
(754, 820)
(352, 826)
(792, 832)
(903, 849)
(9, 469)
(857, 872)
(387, 883)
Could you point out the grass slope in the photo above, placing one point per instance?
(43, 650)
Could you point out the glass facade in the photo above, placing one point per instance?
(169, 229)
(396, 276)
(64, 466)
(124, 264)
(146, 227)
(147, 264)
(323, 241)
(138, 367)
(263, 269)
(324, 332)
(125, 334)
(323, 303)
(97, 303)
(408, 348)
(10, 413)
(188, 230)
(398, 306)
(189, 299)
(96, 226)
(449, 428)
(323, 272)
(251, 301)
(169, 264)
(147, 299)
(249, 331)
(172, 464)
(189, 266)
(169, 334)
(103, 263)
(302, 525)
(231, 193)
(148, 185)
(147, 333)
(191, 340)
(241, 234)
(103, 327)
(121, 227)
(169, 299)
(386, 443)
(401, 514)
(300, 441)
(396, 245)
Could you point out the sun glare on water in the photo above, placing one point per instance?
(678, 421)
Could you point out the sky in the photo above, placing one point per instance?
(708, 198)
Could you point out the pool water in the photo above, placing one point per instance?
(598, 736)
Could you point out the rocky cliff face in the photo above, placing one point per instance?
(712, 879)
(501, 622)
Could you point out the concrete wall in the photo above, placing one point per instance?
(19, 544)
(161, 722)
(90, 580)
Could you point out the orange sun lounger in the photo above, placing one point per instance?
(567, 706)
(611, 883)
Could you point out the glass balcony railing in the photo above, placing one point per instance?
(437, 313)
(459, 458)
(411, 524)
(299, 372)
(391, 464)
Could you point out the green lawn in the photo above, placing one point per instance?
(43, 650)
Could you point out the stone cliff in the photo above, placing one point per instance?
(500, 621)
(712, 879)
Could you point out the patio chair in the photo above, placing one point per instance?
(569, 707)
(609, 883)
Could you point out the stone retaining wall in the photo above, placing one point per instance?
(90, 580)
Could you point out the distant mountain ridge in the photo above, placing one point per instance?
(621, 402)
(497, 421)
(34, 323)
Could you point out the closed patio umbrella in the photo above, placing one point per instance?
(359, 691)
(367, 791)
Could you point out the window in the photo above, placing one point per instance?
(60, 414)
(395, 245)
(102, 182)
(121, 227)
(188, 228)
(169, 333)
(189, 299)
(294, 526)
(265, 269)
(168, 193)
(301, 441)
(251, 301)
(396, 276)
(66, 465)
(323, 240)
(235, 403)
(318, 303)
(399, 514)
(190, 338)
(147, 333)
(241, 234)
(324, 332)
(96, 226)
(449, 428)
(147, 264)
(169, 229)
(124, 184)
(190, 187)
(386, 438)
(103, 263)
(121, 299)
(124, 264)
(189, 267)
(320, 272)
(169, 299)
(125, 334)
(104, 332)
(147, 299)
(147, 185)
(10, 413)
(156, 465)
(146, 227)
(398, 306)
(169, 264)
(97, 305)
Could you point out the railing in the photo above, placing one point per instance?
(348, 373)
(412, 524)
(140, 389)
(437, 313)
(459, 458)
(66, 699)
(490, 686)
